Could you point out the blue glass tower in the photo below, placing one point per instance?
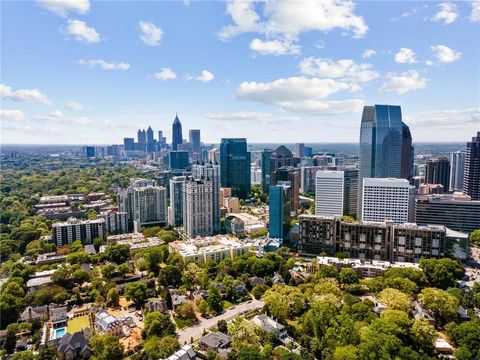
(177, 137)
(235, 166)
(279, 209)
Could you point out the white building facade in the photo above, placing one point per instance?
(198, 207)
(149, 206)
(329, 193)
(457, 168)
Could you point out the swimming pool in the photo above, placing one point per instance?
(60, 332)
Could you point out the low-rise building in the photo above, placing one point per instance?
(134, 240)
(108, 324)
(186, 352)
(216, 342)
(269, 324)
(241, 224)
(72, 346)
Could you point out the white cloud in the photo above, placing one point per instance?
(150, 34)
(346, 69)
(205, 76)
(82, 32)
(444, 54)
(368, 53)
(274, 47)
(82, 121)
(255, 116)
(24, 95)
(445, 118)
(403, 83)
(105, 65)
(12, 115)
(475, 14)
(405, 56)
(448, 13)
(56, 114)
(64, 7)
(301, 94)
(75, 106)
(290, 18)
(165, 74)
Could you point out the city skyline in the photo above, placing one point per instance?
(236, 69)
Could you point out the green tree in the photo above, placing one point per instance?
(259, 290)
(170, 276)
(441, 273)
(137, 292)
(10, 340)
(214, 300)
(395, 299)
(204, 308)
(113, 297)
(23, 355)
(80, 276)
(348, 352)
(117, 253)
(222, 326)
(467, 337)
(160, 348)
(442, 304)
(106, 347)
(185, 311)
(47, 353)
(158, 324)
(423, 335)
(348, 276)
(475, 237)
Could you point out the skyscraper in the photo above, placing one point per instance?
(176, 133)
(210, 172)
(381, 144)
(177, 184)
(235, 166)
(178, 159)
(266, 169)
(194, 139)
(149, 206)
(407, 154)
(279, 210)
(471, 178)
(281, 157)
(128, 144)
(150, 141)
(438, 172)
(329, 193)
(457, 168)
(198, 207)
(141, 139)
(291, 174)
(350, 203)
(299, 150)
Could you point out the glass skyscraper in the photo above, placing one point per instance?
(176, 133)
(381, 144)
(279, 210)
(235, 166)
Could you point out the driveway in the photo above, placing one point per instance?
(196, 330)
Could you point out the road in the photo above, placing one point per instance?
(196, 330)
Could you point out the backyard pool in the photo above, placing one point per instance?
(60, 332)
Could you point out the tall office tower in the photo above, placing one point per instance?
(142, 137)
(210, 172)
(150, 141)
(213, 156)
(178, 159)
(387, 199)
(307, 151)
(194, 139)
(471, 178)
(149, 206)
(128, 144)
(281, 157)
(198, 207)
(176, 200)
(406, 171)
(300, 150)
(279, 210)
(329, 192)
(89, 151)
(291, 174)
(438, 172)
(162, 141)
(307, 179)
(235, 166)
(266, 169)
(457, 168)
(255, 174)
(177, 138)
(350, 192)
(381, 137)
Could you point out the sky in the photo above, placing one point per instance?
(93, 72)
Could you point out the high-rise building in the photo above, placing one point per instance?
(329, 193)
(142, 137)
(438, 172)
(307, 178)
(89, 151)
(350, 192)
(457, 212)
(73, 229)
(279, 210)
(177, 137)
(307, 151)
(300, 150)
(292, 175)
(235, 166)
(149, 206)
(178, 159)
(280, 157)
(128, 144)
(177, 184)
(150, 141)
(266, 169)
(198, 207)
(471, 178)
(209, 171)
(406, 171)
(213, 156)
(116, 222)
(381, 144)
(370, 240)
(194, 139)
(387, 199)
(162, 141)
(457, 169)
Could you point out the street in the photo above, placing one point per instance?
(196, 330)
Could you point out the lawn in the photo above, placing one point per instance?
(183, 323)
(227, 304)
(77, 324)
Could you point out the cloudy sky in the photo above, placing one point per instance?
(80, 71)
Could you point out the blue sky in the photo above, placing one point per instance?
(81, 72)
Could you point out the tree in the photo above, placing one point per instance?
(423, 335)
(112, 296)
(285, 302)
(23, 355)
(106, 347)
(170, 276)
(136, 291)
(160, 348)
(441, 273)
(442, 304)
(91, 214)
(244, 334)
(348, 276)
(250, 353)
(80, 276)
(348, 352)
(47, 353)
(475, 237)
(124, 268)
(117, 253)
(214, 299)
(204, 308)
(107, 271)
(10, 340)
(327, 271)
(222, 326)
(394, 299)
(467, 336)
(185, 311)
(259, 290)
(63, 276)
(158, 324)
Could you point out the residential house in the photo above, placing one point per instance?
(186, 352)
(157, 305)
(269, 324)
(73, 346)
(255, 280)
(108, 324)
(216, 342)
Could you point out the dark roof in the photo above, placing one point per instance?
(283, 150)
(76, 342)
(255, 280)
(216, 340)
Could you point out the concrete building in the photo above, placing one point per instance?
(307, 178)
(300, 150)
(387, 199)
(213, 156)
(471, 179)
(241, 224)
(291, 174)
(116, 222)
(108, 324)
(210, 171)
(457, 169)
(329, 193)
(175, 217)
(370, 240)
(350, 191)
(438, 172)
(149, 206)
(65, 233)
(194, 139)
(198, 207)
(231, 205)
